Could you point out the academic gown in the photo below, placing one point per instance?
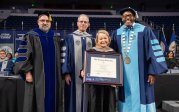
(137, 95)
(39, 53)
(76, 43)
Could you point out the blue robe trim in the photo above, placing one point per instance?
(19, 59)
(23, 43)
(48, 48)
(70, 91)
(22, 50)
(147, 64)
(66, 69)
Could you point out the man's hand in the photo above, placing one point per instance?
(29, 77)
(68, 79)
(151, 79)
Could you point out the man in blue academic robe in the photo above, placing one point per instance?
(76, 43)
(142, 60)
(39, 63)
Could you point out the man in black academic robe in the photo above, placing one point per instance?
(39, 63)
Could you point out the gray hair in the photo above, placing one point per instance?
(83, 15)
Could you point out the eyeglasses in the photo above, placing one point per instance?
(43, 20)
(2, 53)
(130, 15)
(83, 22)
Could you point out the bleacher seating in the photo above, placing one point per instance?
(74, 12)
(167, 21)
(15, 22)
(62, 23)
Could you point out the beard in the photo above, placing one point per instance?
(44, 28)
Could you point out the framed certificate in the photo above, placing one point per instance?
(103, 68)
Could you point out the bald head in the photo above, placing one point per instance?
(83, 15)
(83, 22)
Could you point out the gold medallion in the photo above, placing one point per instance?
(127, 60)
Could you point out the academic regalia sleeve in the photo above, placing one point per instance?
(23, 61)
(66, 68)
(62, 50)
(155, 59)
(114, 40)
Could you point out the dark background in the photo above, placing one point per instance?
(140, 5)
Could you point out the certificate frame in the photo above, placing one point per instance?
(96, 64)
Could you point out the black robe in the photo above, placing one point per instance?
(39, 53)
(100, 98)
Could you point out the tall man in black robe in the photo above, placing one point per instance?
(39, 63)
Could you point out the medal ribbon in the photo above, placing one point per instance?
(127, 47)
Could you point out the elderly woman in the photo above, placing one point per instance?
(101, 98)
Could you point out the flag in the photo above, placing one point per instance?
(163, 43)
(172, 44)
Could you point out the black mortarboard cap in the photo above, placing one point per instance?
(45, 13)
(128, 9)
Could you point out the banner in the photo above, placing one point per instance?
(7, 40)
(18, 38)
